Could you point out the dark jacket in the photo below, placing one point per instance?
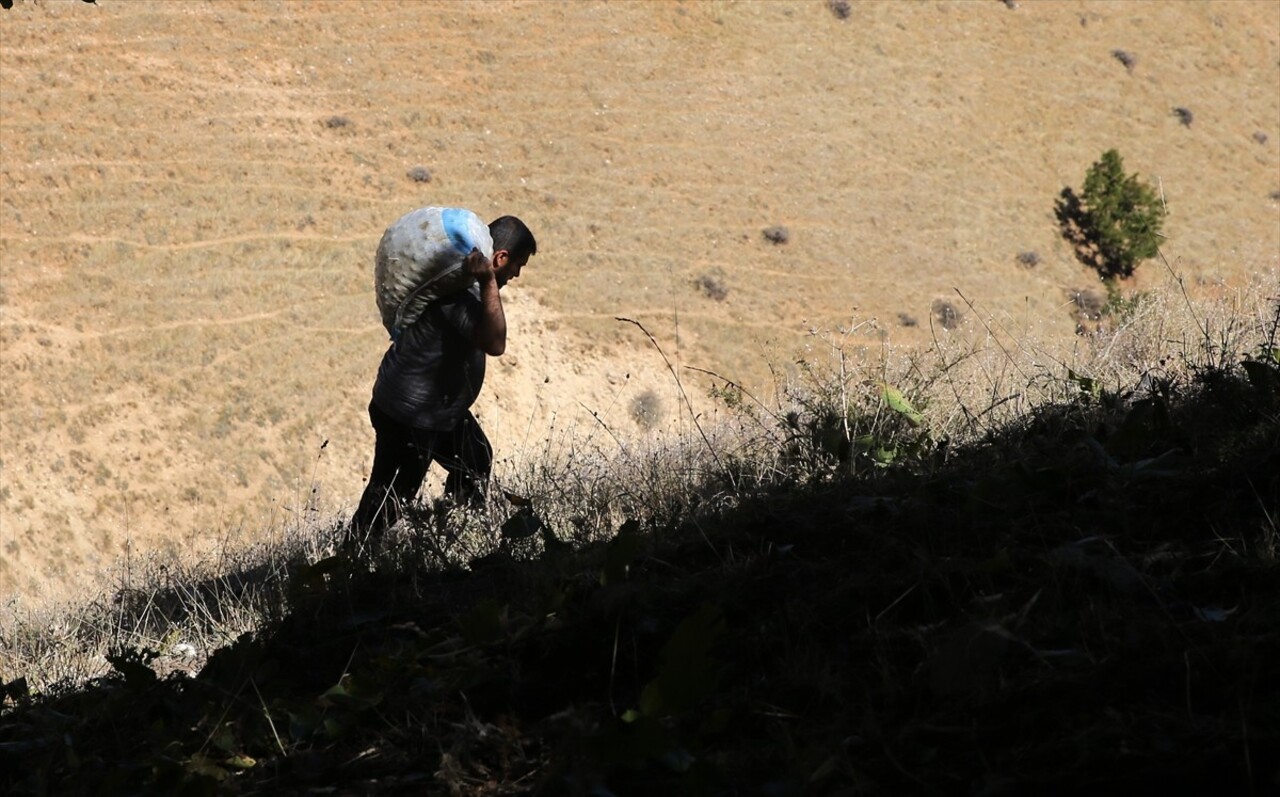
(431, 375)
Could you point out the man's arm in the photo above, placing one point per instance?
(490, 333)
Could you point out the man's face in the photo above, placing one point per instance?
(506, 267)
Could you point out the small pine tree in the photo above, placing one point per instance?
(1121, 216)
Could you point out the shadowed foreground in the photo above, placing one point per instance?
(1087, 601)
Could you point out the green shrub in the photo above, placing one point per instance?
(1121, 217)
(1115, 223)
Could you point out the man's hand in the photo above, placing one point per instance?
(478, 266)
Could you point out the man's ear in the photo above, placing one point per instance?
(500, 258)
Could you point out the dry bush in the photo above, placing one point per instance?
(646, 409)
(712, 285)
(1089, 303)
(1129, 60)
(586, 485)
(966, 386)
(946, 314)
(988, 380)
(181, 605)
(777, 234)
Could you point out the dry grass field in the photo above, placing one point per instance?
(191, 193)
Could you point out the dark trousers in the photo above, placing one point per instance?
(401, 457)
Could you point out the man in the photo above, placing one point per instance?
(427, 382)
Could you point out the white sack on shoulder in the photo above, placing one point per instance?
(420, 258)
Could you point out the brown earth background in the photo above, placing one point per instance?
(191, 193)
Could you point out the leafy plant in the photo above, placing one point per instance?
(1115, 222)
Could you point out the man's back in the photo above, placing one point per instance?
(432, 374)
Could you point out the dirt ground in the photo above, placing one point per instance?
(191, 193)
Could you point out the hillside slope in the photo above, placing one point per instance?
(190, 195)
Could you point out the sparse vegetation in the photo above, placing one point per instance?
(712, 286)
(945, 314)
(646, 409)
(1029, 259)
(777, 234)
(1125, 57)
(1090, 303)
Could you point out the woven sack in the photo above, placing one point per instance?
(419, 261)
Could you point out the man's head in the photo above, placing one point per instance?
(513, 245)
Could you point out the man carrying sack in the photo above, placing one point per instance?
(438, 276)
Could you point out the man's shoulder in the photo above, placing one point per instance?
(469, 297)
(461, 307)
